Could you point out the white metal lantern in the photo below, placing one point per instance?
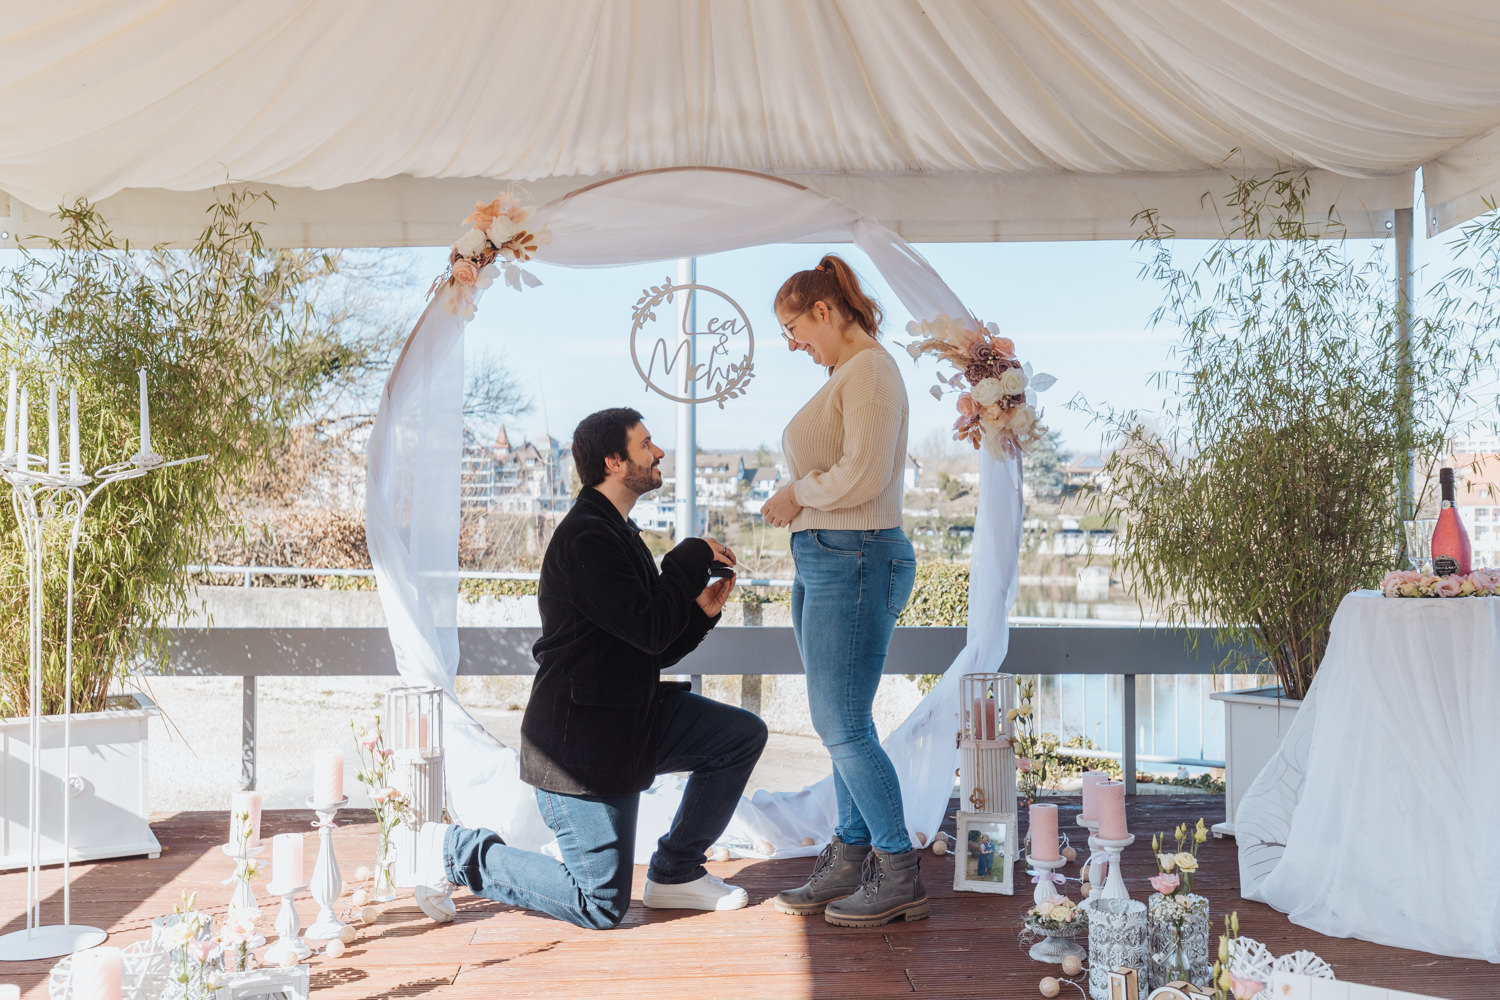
(414, 720)
(986, 761)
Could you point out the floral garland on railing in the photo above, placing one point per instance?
(1413, 583)
(500, 232)
(997, 393)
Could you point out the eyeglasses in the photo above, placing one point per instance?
(786, 329)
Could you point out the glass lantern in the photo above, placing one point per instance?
(986, 761)
(414, 720)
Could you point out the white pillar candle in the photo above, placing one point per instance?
(98, 974)
(54, 453)
(10, 414)
(75, 468)
(145, 416)
(286, 860)
(246, 802)
(328, 777)
(22, 455)
(9, 992)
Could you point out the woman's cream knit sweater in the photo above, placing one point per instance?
(847, 447)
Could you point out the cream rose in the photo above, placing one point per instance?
(503, 229)
(1013, 382)
(987, 392)
(470, 243)
(1186, 862)
(1167, 861)
(1022, 420)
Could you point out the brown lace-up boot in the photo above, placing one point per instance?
(836, 875)
(891, 887)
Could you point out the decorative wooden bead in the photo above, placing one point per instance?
(369, 915)
(719, 854)
(347, 933)
(808, 842)
(360, 897)
(1072, 965)
(1086, 888)
(361, 873)
(940, 846)
(1049, 987)
(921, 839)
(1070, 854)
(334, 948)
(764, 847)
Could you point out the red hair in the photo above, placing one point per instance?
(832, 282)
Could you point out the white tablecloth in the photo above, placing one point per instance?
(1379, 816)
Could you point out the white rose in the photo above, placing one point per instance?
(987, 392)
(503, 229)
(470, 243)
(1013, 382)
(1021, 420)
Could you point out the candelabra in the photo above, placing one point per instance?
(327, 880)
(42, 499)
(1114, 884)
(1095, 868)
(1042, 873)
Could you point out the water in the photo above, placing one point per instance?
(1175, 718)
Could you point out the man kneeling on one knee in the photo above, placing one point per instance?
(600, 723)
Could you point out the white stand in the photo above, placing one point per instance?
(1041, 873)
(1114, 886)
(1095, 868)
(327, 880)
(288, 923)
(242, 900)
(39, 497)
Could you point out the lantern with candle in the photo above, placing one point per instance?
(987, 765)
(417, 769)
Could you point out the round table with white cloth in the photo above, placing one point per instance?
(1379, 815)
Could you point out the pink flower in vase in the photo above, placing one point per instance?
(369, 742)
(1165, 883)
(1025, 764)
(200, 950)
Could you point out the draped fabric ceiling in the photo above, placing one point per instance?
(379, 123)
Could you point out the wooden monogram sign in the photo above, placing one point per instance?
(1124, 984)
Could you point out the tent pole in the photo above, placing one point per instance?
(1405, 279)
(687, 413)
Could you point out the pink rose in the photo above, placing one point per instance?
(1165, 883)
(1390, 585)
(464, 272)
(1025, 764)
(200, 950)
(1244, 989)
(369, 742)
(1448, 586)
(968, 406)
(1004, 346)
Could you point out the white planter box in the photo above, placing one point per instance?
(1255, 719)
(109, 810)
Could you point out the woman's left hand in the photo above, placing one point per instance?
(781, 509)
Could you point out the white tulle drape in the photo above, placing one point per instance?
(412, 497)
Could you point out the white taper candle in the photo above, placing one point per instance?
(10, 414)
(145, 416)
(22, 455)
(75, 467)
(54, 454)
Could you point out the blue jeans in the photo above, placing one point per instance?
(849, 590)
(719, 744)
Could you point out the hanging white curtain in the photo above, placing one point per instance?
(412, 497)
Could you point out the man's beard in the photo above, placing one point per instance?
(641, 479)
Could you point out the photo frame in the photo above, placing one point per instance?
(265, 984)
(984, 859)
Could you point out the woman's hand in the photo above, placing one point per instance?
(781, 509)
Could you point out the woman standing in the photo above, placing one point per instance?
(854, 572)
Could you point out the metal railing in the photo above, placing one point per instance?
(1037, 647)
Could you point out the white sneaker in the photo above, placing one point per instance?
(428, 873)
(707, 893)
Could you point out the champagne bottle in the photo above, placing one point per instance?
(1450, 542)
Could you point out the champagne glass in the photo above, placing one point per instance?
(1419, 543)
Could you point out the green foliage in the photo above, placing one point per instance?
(1044, 465)
(1272, 486)
(940, 595)
(229, 340)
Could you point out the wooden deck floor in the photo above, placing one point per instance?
(967, 949)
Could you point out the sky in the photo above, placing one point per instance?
(1078, 310)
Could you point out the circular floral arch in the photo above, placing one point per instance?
(412, 486)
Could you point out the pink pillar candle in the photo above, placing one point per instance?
(1111, 802)
(98, 974)
(286, 860)
(991, 731)
(416, 731)
(328, 777)
(1044, 831)
(1090, 796)
(244, 802)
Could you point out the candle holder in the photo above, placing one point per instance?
(1114, 885)
(327, 881)
(414, 720)
(1041, 873)
(40, 497)
(288, 922)
(1095, 867)
(415, 715)
(242, 900)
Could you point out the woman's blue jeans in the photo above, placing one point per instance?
(849, 590)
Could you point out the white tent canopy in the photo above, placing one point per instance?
(380, 123)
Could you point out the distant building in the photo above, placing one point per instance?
(1085, 474)
(529, 478)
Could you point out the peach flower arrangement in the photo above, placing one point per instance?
(502, 232)
(1411, 583)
